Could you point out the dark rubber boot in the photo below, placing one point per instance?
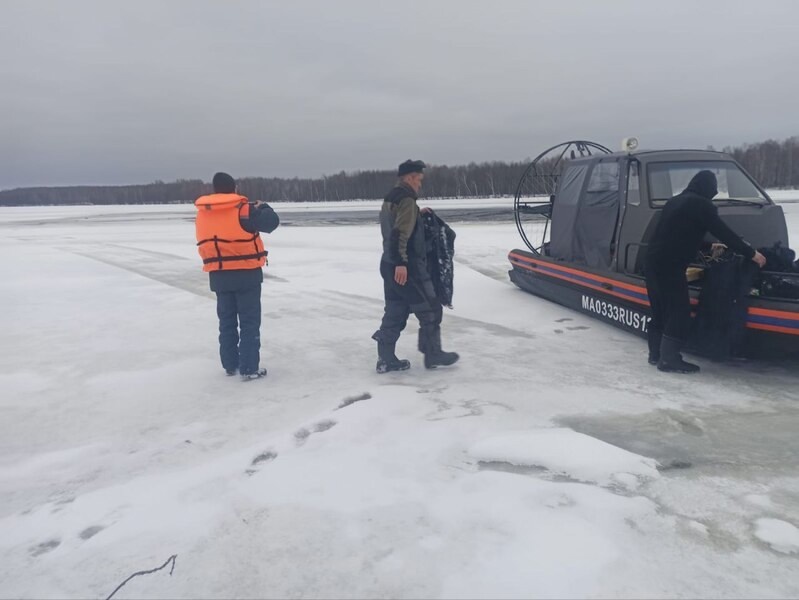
(654, 337)
(434, 356)
(387, 360)
(671, 360)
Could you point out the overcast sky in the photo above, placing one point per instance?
(129, 92)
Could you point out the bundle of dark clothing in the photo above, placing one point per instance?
(440, 241)
(720, 324)
(780, 259)
(772, 283)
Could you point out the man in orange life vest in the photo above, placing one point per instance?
(229, 243)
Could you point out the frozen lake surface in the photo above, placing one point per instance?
(551, 461)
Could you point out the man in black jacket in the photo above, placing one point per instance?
(678, 237)
(236, 276)
(407, 285)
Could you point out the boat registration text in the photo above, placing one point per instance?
(614, 312)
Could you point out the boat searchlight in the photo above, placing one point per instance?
(629, 144)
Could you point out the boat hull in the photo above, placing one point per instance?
(772, 328)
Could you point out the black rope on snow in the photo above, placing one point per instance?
(171, 559)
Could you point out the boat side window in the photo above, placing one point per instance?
(667, 179)
(633, 184)
(604, 178)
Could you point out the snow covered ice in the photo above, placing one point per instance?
(552, 461)
(563, 452)
(782, 536)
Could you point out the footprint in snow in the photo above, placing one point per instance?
(353, 399)
(563, 320)
(302, 434)
(436, 390)
(445, 410)
(90, 532)
(61, 503)
(560, 501)
(675, 464)
(578, 328)
(323, 425)
(535, 470)
(688, 423)
(44, 547)
(467, 408)
(264, 457)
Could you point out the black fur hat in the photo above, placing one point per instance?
(411, 166)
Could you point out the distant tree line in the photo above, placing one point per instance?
(774, 164)
(486, 179)
(157, 192)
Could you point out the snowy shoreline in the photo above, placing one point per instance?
(10, 213)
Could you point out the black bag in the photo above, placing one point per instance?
(720, 323)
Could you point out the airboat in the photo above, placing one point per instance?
(586, 214)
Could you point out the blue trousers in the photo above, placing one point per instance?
(240, 329)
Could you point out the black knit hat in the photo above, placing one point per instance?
(224, 184)
(410, 166)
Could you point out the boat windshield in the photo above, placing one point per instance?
(667, 179)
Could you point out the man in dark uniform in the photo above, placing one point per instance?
(678, 237)
(407, 284)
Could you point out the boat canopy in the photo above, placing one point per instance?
(585, 212)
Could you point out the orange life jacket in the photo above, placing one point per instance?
(221, 240)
